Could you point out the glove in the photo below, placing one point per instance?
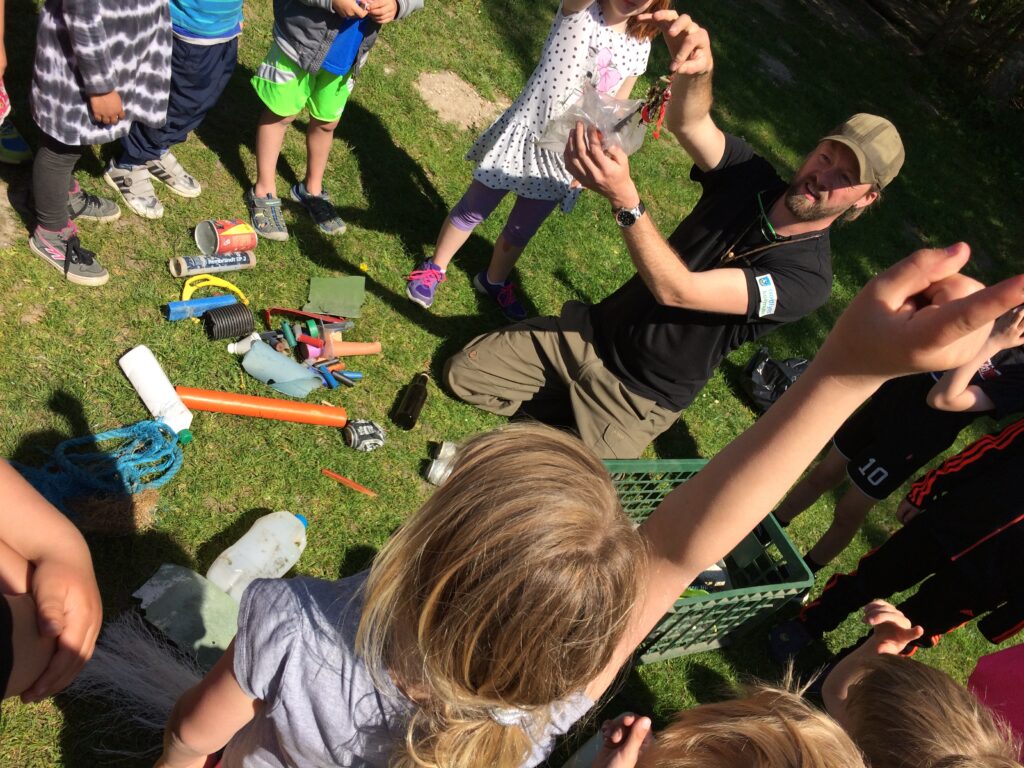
(364, 435)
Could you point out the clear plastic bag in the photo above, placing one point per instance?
(617, 120)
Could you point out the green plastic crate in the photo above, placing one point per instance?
(764, 576)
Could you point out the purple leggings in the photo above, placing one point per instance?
(523, 222)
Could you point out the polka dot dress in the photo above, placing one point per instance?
(579, 47)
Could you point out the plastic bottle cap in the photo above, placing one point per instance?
(305, 523)
(185, 436)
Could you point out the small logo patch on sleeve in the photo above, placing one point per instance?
(769, 295)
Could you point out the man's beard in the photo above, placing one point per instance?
(805, 210)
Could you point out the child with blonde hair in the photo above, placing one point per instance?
(905, 714)
(509, 602)
(767, 727)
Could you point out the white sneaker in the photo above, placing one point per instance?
(168, 170)
(136, 188)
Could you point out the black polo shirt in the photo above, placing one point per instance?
(667, 354)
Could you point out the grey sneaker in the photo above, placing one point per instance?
(136, 188)
(168, 170)
(265, 213)
(320, 208)
(62, 251)
(86, 206)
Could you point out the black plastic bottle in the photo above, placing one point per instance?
(412, 401)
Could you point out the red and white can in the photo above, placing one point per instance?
(224, 236)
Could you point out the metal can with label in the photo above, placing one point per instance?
(224, 236)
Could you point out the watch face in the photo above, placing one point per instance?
(625, 218)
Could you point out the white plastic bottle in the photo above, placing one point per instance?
(156, 391)
(266, 551)
(244, 344)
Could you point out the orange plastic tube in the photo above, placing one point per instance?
(339, 348)
(262, 407)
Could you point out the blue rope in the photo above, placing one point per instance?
(144, 455)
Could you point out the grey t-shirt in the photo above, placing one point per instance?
(295, 652)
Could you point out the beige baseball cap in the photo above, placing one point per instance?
(876, 143)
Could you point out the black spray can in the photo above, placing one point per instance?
(412, 401)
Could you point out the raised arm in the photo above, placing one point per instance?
(919, 315)
(892, 632)
(661, 269)
(688, 114)
(954, 391)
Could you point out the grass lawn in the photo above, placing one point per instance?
(395, 171)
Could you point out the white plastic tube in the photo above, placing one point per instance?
(156, 390)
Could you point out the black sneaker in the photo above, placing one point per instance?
(62, 251)
(87, 206)
(320, 208)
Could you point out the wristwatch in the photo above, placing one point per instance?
(626, 217)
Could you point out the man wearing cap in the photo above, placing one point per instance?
(752, 255)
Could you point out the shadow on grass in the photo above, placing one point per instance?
(231, 125)
(524, 30)
(401, 198)
(122, 559)
(677, 442)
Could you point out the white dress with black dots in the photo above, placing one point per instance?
(579, 47)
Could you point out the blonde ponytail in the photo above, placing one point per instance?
(508, 589)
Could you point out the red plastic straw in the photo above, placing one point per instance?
(345, 481)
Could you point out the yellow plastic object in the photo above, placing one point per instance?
(197, 282)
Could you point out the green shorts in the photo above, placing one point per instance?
(287, 89)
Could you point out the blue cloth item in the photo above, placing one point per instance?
(199, 75)
(207, 18)
(342, 54)
(279, 371)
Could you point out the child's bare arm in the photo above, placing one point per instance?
(56, 560)
(206, 717)
(32, 651)
(954, 391)
(892, 633)
(919, 315)
(626, 88)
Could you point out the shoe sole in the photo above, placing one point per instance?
(69, 276)
(87, 217)
(143, 212)
(279, 237)
(418, 300)
(190, 194)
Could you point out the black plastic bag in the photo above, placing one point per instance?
(765, 379)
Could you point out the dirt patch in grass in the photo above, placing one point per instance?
(775, 69)
(457, 102)
(32, 315)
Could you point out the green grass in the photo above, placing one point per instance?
(395, 170)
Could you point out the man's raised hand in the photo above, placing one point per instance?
(688, 42)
